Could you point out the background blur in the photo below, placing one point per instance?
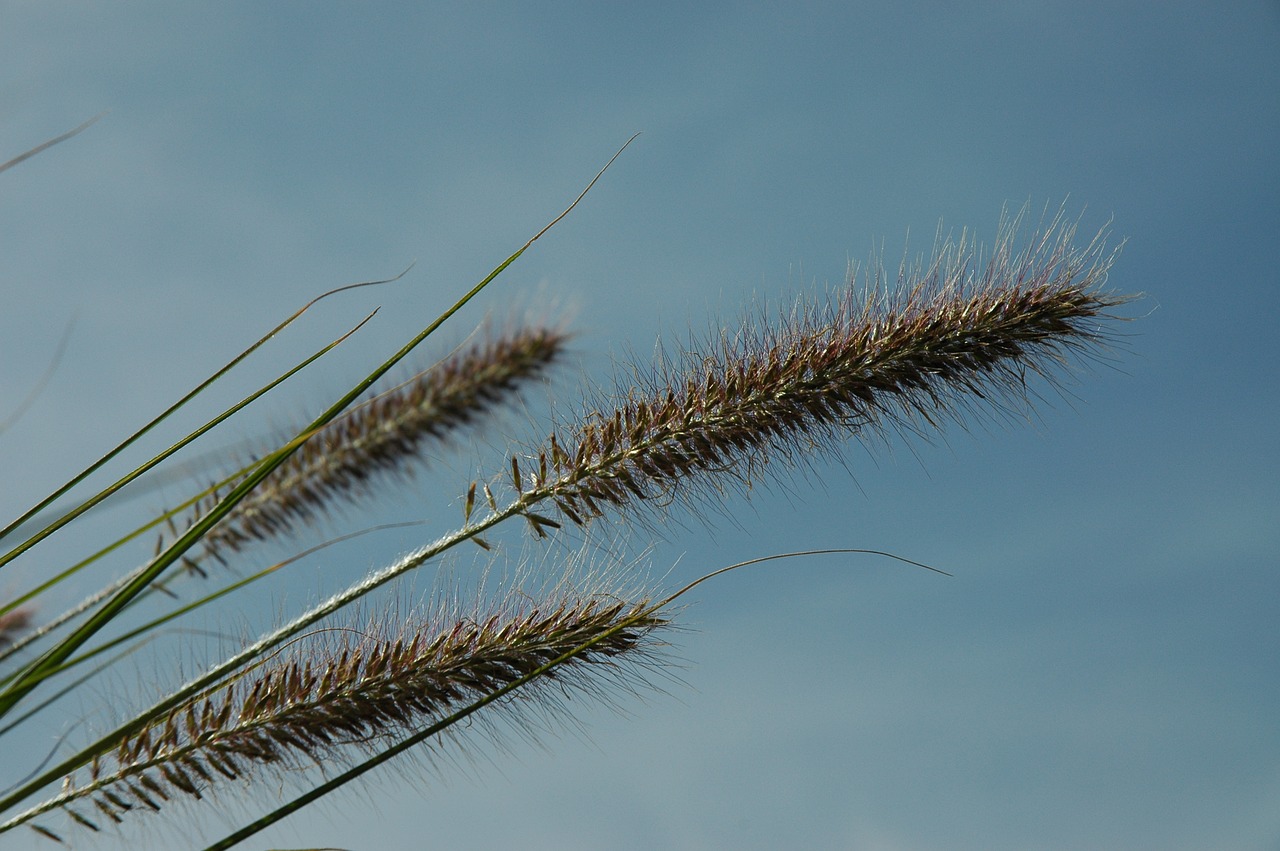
(1100, 673)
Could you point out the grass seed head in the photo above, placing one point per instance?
(384, 436)
(959, 334)
(356, 693)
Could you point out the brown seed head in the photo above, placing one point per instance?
(383, 436)
(957, 334)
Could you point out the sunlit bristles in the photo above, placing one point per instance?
(957, 334)
(363, 694)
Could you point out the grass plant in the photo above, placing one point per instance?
(326, 697)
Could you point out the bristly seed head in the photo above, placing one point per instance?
(361, 694)
(384, 435)
(957, 333)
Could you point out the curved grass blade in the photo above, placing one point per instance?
(51, 659)
(96, 465)
(211, 424)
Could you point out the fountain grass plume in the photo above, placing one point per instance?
(386, 435)
(959, 334)
(331, 692)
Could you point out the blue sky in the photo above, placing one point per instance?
(1100, 672)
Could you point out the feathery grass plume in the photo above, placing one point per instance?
(959, 333)
(382, 436)
(359, 693)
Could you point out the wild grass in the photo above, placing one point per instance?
(320, 696)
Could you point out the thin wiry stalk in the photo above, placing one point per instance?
(307, 709)
(385, 435)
